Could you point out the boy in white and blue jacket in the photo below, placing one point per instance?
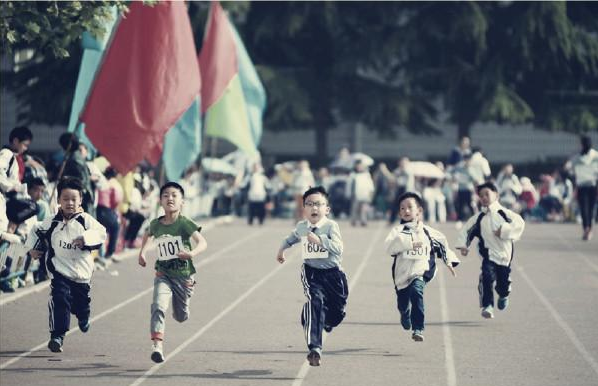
(324, 282)
(496, 228)
(414, 248)
(68, 239)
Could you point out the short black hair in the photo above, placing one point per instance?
(36, 181)
(486, 185)
(172, 184)
(69, 142)
(413, 195)
(70, 183)
(22, 133)
(315, 190)
(586, 143)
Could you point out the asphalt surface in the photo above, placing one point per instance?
(244, 326)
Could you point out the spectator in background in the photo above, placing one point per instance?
(302, 181)
(76, 166)
(509, 188)
(585, 171)
(459, 152)
(404, 182)
(258, 186)
(529, 197)
(109, 198)
(382, 193)
(435, 201)
(361, 188)
(466, 183)
(479, 166)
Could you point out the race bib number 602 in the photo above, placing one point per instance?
(312, 251)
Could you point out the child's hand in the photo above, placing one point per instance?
(34, 253)
(280, 257)
(185, 255)
(497, 232)
(141, 260)
(464, 251)
(313, 238)
(78, 242)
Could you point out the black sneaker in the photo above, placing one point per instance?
(55, 344)
(84, 325)
(328, 328)
(313, 358)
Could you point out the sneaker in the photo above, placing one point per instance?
(116, 258)
(55, 344)
(406, 320)
(157, 353)
(314, 358)
(503, 303)
(328, 328)
(488, 312)
(84, 325)
(418, 336)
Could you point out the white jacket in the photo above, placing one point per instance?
(585, 168)
(411, 263)
(497, 249)
(63, 257)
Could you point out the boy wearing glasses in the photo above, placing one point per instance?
(324, 282)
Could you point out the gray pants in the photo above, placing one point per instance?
(180, 290)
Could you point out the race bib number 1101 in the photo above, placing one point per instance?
(169, 247)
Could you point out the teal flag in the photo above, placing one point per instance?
(90, 62)
(253, 90)
(182, 143)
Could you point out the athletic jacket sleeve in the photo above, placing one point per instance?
(466, 234)
(513, 229)
(95, 235)
(443, 251)
(291, 239)
(397, 241)
(333, 242)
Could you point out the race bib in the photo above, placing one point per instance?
(419, 253)
(168, 247)
(312, 251)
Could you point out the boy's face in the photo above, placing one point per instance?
(171, 200)
(315, 207)
(36, 192)
(20, 147)
(70, 201)
(487, 196)
(409, 210)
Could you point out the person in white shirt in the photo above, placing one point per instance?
(496, 228)
(258, 186)
(361, 192)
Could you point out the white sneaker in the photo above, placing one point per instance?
(488, 312)
(157, 353)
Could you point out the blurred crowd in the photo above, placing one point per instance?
(360, 190)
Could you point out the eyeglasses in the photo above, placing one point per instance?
(316, 204)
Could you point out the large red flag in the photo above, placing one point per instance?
(149, 78)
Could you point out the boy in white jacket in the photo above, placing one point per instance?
(68, 239)
(496, 228)
(415, 247)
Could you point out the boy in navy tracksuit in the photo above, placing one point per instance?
(324, 282)
(415, 247)
(68, 239)
(496, 228)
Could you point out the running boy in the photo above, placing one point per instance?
(496, 228)
(69, 238)
(415, 247)
(324, 282)
(171, 235)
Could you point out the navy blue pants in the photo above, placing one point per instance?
(67, 297)
(493, 273)
(326, 291)
(411, 299)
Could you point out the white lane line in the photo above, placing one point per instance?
(451, 377)
(578, 253)
(561, 322)
(5, 299)
(211, 323)
(202, 263)
(305, 367)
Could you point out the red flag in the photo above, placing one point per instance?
(149, 78)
